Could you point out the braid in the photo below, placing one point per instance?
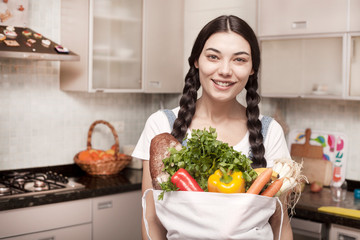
(187, 104)
(254, 124)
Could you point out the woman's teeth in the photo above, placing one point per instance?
(223, 84)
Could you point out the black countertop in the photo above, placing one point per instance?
(130, 180)
(307, 208)
(95, 186)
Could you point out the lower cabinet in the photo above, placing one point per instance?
(117, 216)
(51, 221)
(109, 217)
(80, 232)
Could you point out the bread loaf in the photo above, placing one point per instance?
(159, 150)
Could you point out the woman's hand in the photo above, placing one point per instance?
(275, 221)
(156, 230)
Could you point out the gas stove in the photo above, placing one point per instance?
(18, 184)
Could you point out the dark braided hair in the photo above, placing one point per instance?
(192, 84)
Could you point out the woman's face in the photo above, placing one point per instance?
(224, 65)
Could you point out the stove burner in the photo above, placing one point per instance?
(19, 181)
(4, 190)
(16, 183)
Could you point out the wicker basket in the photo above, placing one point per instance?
(106, 166)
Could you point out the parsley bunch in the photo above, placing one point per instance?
(203, 156)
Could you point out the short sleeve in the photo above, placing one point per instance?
(275, 144)
(157, 123)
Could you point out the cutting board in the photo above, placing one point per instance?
(306, 150)
(334, 145)
(316, 169)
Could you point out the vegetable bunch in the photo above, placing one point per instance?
(204, 155)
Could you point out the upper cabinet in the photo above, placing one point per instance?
(125, 46)
(310, 49)
(284, 17)
(354, 16)
(353, 89)
(302, 67)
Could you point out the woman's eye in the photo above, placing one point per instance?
(212, 57)
(240, 60)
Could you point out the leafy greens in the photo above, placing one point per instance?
(203, 155)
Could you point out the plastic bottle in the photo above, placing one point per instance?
(338, 191)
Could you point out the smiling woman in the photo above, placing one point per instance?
(224, 61)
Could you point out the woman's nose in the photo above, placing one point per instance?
(225, 68)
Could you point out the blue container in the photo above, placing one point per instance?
(357, 193)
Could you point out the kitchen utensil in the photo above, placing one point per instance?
(316, 169)
(307, 150)
(105, 166)
(347, 212)
(334, 150)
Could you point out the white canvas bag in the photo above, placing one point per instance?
(206, 216)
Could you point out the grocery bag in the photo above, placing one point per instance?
(208, 215)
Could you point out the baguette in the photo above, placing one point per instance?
(159, 150)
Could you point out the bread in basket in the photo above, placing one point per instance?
(98, 162)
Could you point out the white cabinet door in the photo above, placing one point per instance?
(354, 9)
(163, 47)
(284, 17)
(302, 67)
(116, 44)
(79, 232)
(354, 69)
(117, 216)
(43, 218)
(124, 46)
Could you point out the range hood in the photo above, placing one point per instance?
(24, 43)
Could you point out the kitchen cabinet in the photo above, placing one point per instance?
(354, 17)
(52, 221)
(124, 46)
(308, 52)
(354, 66)
(80, 232)
(302, 67)
(283, 17)
(117, 216)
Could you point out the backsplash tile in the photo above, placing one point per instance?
(41, 125)
(325, 115)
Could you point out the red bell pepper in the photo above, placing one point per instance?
(185, 182)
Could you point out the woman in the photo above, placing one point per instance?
(224, 61)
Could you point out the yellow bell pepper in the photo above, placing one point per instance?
(224, 182)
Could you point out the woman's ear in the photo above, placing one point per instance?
(252, 72)
(196, 64)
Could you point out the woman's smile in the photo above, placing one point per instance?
(223, 83)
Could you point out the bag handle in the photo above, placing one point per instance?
(282, 217)
(144, 211)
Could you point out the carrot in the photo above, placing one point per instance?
(274, 187)
(260, 182)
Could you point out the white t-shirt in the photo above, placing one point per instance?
(275, 143)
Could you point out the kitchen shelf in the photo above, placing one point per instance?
(116, 59)
(36, 51)
(117, 18)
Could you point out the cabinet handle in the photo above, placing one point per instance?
(104, 205)
(48, 238)
(156, 84)
(353, 49)
(299, 25)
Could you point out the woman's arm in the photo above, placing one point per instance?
(275, 221)
(156, 230)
